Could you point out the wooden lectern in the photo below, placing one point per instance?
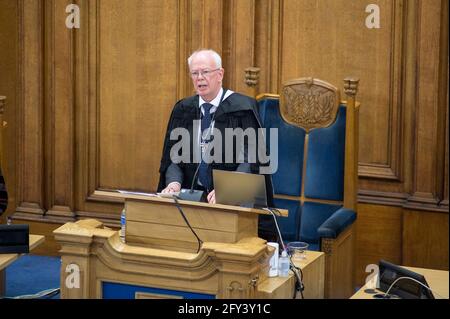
(157, 222)
(160, 259)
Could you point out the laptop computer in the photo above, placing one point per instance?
(240, 189)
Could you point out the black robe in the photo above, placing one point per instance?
(236, 111)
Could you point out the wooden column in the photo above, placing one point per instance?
(2, 108)
(351, 140)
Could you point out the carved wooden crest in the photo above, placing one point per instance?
(309, 103)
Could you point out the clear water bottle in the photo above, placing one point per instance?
(123, 222)
(283, 265)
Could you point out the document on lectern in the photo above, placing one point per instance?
(137, 193)
(163, 195)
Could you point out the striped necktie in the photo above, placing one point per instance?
(204, 172)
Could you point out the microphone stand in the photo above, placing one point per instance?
(192, 194)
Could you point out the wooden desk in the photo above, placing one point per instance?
(7, 259)
(156, 222)
(221, 270)
(437, 279)
(313, 268)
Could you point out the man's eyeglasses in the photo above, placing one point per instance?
(204, 73)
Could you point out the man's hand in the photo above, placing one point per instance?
(173, 187)
(212, 197)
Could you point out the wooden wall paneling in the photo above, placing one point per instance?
(119, 54)
(10, 15)
(425, 239)
(204, 31)
(86, 118)
(391, 191)
(443, 107)
(137, 89)
(378, 236)
(206, 17)
(263, 41)
(443, 87)
(429, 123)
(267, 43)
(312, 47)
(135, 76)
(59, 111)
(30, 111)
(200, 26)
(184, 49)
(83, 97)
(387, 165)
(238, 41)
(444, 202)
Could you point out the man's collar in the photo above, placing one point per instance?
(214, 102)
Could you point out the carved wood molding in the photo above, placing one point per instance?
(377, 171)
(220, 269)
(392, 169)
(351, 86)
(28, 180)
(2, 124)
(309, 103)
(252, 76)
(404, 200)
(2, 104)
(327, 246)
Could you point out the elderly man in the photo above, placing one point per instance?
(215, 108)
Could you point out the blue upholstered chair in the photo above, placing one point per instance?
(316, 178)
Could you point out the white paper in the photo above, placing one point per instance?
(137, 193)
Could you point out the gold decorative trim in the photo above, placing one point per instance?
(306, 199)
(148, 295)
(305, 161)
(267, 96)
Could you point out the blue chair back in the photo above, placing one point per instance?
(309, 181)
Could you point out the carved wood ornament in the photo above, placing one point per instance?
(309, 103)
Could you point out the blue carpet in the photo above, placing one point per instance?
(31, 274)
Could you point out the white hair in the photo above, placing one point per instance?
(212, 53)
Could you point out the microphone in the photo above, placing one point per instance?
(192, 194)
